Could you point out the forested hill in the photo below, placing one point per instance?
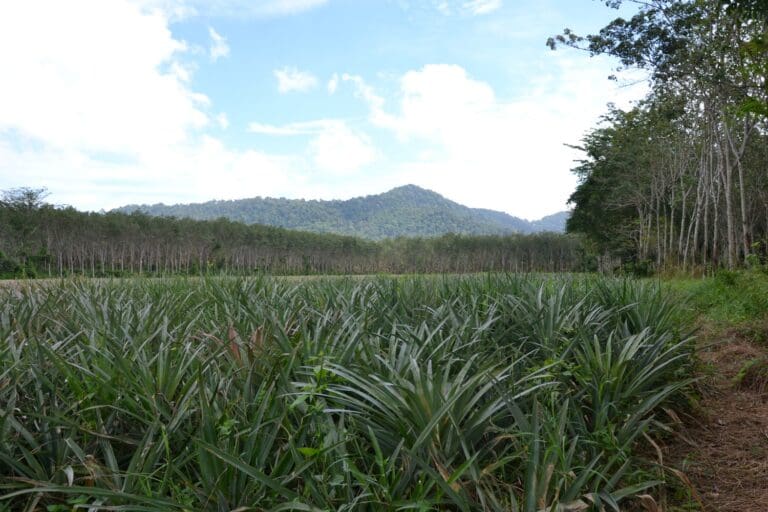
(40, 239)
(404, 211)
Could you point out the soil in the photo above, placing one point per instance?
(720, 457)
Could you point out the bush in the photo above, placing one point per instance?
(731, 297)
(754, 375)
(9, 268)
(642, 268)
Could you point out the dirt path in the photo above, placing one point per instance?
(725, 450)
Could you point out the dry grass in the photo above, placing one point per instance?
(729, 463)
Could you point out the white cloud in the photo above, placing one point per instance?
(478, 7)
(466, 7)
(102, 117)
(223, 121)
(188, 173)
(270, 129)
(182, 71)
(437, 99)
(278, 7)
(375, 102)
(339, 150)
(94, 86)
(487, 152)
(333, 84)
(334, 147)
(219, 47)
(444, 7)
(300, 128)
(180, 9)
(291, 79)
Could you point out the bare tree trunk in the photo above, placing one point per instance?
(727, 176)
(738, 153)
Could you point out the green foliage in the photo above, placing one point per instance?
(41, 240)
(679, 179)
(404, 211)
(642, 268)
(753, 374)
(495, 392)
(732, 298)
(605, 201)
(9, 268)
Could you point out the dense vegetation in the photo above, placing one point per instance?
(731, 300)
(680, 180)
(38, 239)
(488, 392)
(496, 392)
(407, 211)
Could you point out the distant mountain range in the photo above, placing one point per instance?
(403, 211)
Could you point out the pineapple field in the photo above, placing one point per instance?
(488, 392)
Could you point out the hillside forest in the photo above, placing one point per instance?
(38, 239)
(403, 211)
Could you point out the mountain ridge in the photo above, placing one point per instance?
(407, 210)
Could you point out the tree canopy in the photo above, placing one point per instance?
(679, 180)
(38, 239)
(404, 211)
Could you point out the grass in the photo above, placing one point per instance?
(732, 310)
(730, 299)
(494, 392)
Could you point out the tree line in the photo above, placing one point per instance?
(38, 239)
(681, 179)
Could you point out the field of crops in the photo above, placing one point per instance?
(469, 393)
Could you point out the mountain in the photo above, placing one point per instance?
(403, 211)
(554, 222)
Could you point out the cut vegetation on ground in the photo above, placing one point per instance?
(723, 446)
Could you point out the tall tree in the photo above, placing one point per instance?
(706, 60)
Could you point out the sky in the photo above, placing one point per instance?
(114, 102)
